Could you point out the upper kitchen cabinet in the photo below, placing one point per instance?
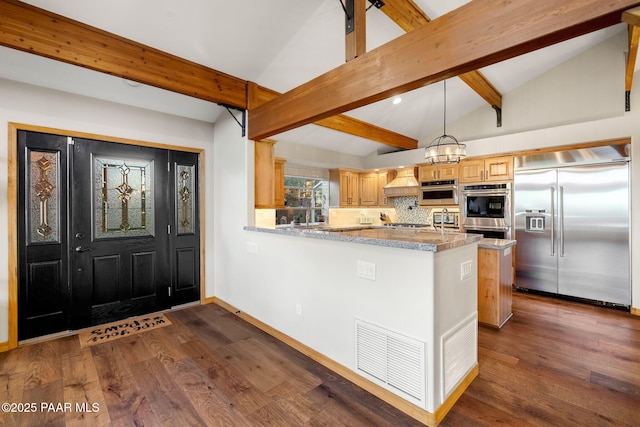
(490, 169)
(369, 189)
(384, 177)
(428, 173)
(278, 182)
(264, 163)
(344, 188)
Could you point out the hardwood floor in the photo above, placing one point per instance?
(554, 363)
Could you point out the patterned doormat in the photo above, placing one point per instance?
(124, 328)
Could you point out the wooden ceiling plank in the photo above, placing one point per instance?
(494, 31)
(37, 31)
(409, 17)
(259, 95)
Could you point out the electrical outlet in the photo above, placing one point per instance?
(299, 309)
(366, 270)
(252, 247)
(466, 270)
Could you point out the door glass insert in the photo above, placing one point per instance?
(123, 198)
(185, 198)
(43, 197)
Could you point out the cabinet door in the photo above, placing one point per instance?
(471, 170)
(448, 172)
(278, 183)
(427, 173)
(383, 179)
(345, 181)
(369, 189)
(498, 169)
(354, 188)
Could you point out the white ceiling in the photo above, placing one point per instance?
(278, 44)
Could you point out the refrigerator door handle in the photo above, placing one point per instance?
(561, 219)
(553, 226)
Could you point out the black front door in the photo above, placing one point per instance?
(110, 231)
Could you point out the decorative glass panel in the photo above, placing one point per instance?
(123, 198)
(185, 198)
(43, 197)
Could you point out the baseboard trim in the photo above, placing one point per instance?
(4, 346)
(410, 409)
(635, 311)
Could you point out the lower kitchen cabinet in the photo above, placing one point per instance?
(494, 281)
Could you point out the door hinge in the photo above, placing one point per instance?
(70, 141)
(169, 290)
(168, 228)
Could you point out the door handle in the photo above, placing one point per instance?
(553, 219)
(82, 249)
(561, 220)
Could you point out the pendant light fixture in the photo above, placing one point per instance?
(445, 148)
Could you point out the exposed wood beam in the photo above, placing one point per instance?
(409, 16)
(356, 32)
(259, 95)
(34, 30)
(478, 34)
(632, 17)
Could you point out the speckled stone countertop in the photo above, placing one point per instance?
(496, 243)
(406, 238)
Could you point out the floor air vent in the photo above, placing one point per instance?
(393, 359)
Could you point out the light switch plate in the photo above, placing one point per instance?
(466, 270)
(366, 270)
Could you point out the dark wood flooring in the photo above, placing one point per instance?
(555, 363)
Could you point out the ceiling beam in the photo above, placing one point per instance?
(259, 95)
(409, 16)
(478, 34)
(34, 30)
(632, 17)
(40, 32)
(355, 29)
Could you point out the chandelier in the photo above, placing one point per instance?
(445, 148)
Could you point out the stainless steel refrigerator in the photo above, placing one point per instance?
(572, 231)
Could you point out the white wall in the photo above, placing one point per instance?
(34, 105)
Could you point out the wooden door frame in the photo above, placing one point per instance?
(12, 206)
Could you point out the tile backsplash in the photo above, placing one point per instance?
(408, 211)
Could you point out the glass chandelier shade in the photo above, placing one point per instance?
(445, 148)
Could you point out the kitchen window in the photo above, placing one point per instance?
(303, 193)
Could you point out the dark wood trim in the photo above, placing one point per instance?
(473, 36)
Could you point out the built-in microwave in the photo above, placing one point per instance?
(437, 193)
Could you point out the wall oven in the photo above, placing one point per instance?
(486, 209)
(438, 193)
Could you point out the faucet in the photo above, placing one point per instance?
(445, 213)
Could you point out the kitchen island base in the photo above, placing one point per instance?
(421, 415)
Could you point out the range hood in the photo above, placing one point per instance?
(405, 184)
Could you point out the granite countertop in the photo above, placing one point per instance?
(406, 238)
(496, 243)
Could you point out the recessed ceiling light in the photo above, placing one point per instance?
(397, 100)
(131, 83)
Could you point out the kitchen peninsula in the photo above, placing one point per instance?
(393, 310)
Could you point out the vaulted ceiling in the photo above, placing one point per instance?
(273, 47)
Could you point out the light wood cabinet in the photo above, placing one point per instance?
(344, 188)
(384, 177)
(369, 189)
(484, 170)
(278, 182)
(428, 173)
(264, 163)
(494, 286)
